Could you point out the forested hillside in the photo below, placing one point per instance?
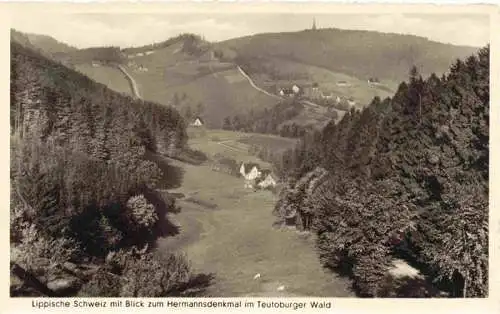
(274, 120)
(43, 44)
(362, 54)
(406, 177)
(84, 211)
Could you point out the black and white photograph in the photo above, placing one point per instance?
(279, 154)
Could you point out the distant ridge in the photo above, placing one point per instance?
(355, 52)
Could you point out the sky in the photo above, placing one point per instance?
(131, 30)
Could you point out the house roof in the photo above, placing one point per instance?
(250, 165)
(198, 118)
(287, 91)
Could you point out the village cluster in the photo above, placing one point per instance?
(253, 175)
(256, 177)
(313, 92)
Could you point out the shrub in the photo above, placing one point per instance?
(143, 213)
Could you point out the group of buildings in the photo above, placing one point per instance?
(253, 175)
(257, 178)
(313, 92)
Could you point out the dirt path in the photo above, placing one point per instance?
(133, 83)
(249, 79)
(236, 240)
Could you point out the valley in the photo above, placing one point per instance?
(235, 238)
(274, 165)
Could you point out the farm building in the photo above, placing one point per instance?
(149, 52)
(267, 180)
(343, 83)
(251, 172)
(287, 92)
(197, 122)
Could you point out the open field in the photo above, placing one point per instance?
(219, 86)
(234, 237)
(267, 141)
(107, 75)
(235, 145)
(236, 241)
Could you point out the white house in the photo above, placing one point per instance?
(343, 83)
(149, 52)
(95, 64)
(295, 89)
(253, 174)
(269, 181)
(242, 170)
(250, 176)
(197, 122)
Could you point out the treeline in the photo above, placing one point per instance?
(405, 177)
(100, 54)
(274, 120)
(186, 37)
(84, 211)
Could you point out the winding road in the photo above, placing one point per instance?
(302, 101)
(255, 86)
(133, 83)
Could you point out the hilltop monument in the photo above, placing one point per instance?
(314, 24)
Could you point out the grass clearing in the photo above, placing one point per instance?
(235, 145)
(107, 75)
(237, 241)
(274, 143)
(217, 85)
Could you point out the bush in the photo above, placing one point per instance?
(143, 213)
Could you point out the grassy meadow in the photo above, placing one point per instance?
(234, 237)
(107, 75)
(219, 86)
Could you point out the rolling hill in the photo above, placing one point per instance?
(210, 79)
(43, 44)
(194, 77)
(340, 61)
(361, 54)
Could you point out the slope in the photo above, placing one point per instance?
(79, 177)
(403, 178)
(43, 44)
(334, 58)
(362, 54)
(107, 75)
(170, 75)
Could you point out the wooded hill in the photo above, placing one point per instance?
(362, 54)
(405, 177)
(43, 44)
(84, 211)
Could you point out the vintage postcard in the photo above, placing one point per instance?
(251, 156)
